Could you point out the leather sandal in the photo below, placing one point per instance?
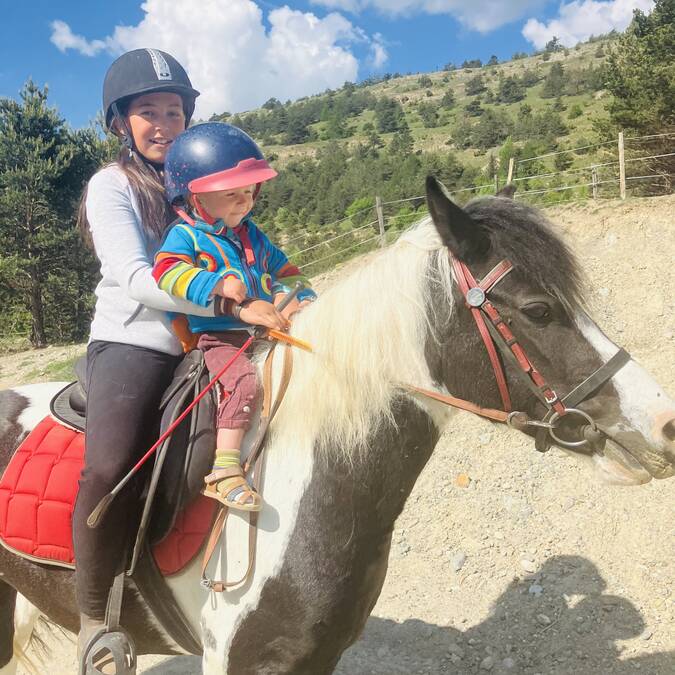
(222, 483)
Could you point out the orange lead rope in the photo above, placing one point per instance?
(289, 339)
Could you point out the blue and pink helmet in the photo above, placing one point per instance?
(211, 157)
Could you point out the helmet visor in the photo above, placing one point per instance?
(247, 172)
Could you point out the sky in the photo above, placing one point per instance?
(240, 53)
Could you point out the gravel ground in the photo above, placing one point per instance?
(530, 566)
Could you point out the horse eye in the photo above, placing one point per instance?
(537, 310)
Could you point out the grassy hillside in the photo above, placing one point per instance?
(578, 101)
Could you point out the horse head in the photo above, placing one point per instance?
(623, 422)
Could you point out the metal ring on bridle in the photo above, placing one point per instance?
(556, 417)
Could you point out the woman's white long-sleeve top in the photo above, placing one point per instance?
(130, 308)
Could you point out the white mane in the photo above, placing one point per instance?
(369, 332)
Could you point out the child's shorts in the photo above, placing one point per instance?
(238, 384)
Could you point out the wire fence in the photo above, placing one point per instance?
(613, 168)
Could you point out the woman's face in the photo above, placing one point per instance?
(229, 205)
(155, 120)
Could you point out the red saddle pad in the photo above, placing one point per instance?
(37, 496)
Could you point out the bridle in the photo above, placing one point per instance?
(497, 337)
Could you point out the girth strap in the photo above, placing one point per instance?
(255, 459)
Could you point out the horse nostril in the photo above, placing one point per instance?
(668, 430)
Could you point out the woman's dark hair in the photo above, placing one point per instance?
(148, 187)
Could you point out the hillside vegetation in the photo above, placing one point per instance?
(381, 137)
(552, 95)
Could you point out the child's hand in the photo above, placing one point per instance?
(262, 313)
(292, 307)
(231, 287)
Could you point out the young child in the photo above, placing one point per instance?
(213, 174)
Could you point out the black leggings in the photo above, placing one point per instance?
(124, 386)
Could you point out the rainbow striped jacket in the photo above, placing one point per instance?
(192, 259)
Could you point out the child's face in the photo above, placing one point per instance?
(229, 205)
(155, 120)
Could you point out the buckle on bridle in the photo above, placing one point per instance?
(552, 399)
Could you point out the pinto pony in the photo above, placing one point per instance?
(351, 437)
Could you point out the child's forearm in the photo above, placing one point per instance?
(177, 276)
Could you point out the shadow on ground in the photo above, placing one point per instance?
(570, 626)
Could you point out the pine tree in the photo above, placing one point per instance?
(388, 115)
(43, 166)
(448, 99)
(428, 113)
(554, 84)
(475, 85)
(402, 143)
(640, 73)
(510, 90)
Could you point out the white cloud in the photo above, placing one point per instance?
(480, 15)
(578, 20)
(232, 58)
(64, 39)
(378, 51)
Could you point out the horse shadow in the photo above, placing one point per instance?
(570, 626)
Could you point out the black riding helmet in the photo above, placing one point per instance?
(144, 71)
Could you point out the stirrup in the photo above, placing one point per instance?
(109, 647)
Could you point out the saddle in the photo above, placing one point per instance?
(183, 459)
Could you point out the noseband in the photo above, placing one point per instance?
(497, 336)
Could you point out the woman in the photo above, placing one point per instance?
(148, 100)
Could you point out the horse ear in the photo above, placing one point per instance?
(507, 191)
(458, 232)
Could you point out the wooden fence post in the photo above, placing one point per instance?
(509, 178)
(594, 179)
(622, 168)
(496, 183)
(380, 220)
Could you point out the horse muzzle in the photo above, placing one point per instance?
(626, 456)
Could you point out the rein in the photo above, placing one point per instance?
(497, 336)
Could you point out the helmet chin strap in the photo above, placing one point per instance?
(202, 212)
(124, 131)
(184, 215)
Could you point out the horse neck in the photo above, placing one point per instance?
(323, 545)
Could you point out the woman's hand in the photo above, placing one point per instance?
(262, 313)
(231, 287)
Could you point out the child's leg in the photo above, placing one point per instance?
(230, 438)
(239, 394)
